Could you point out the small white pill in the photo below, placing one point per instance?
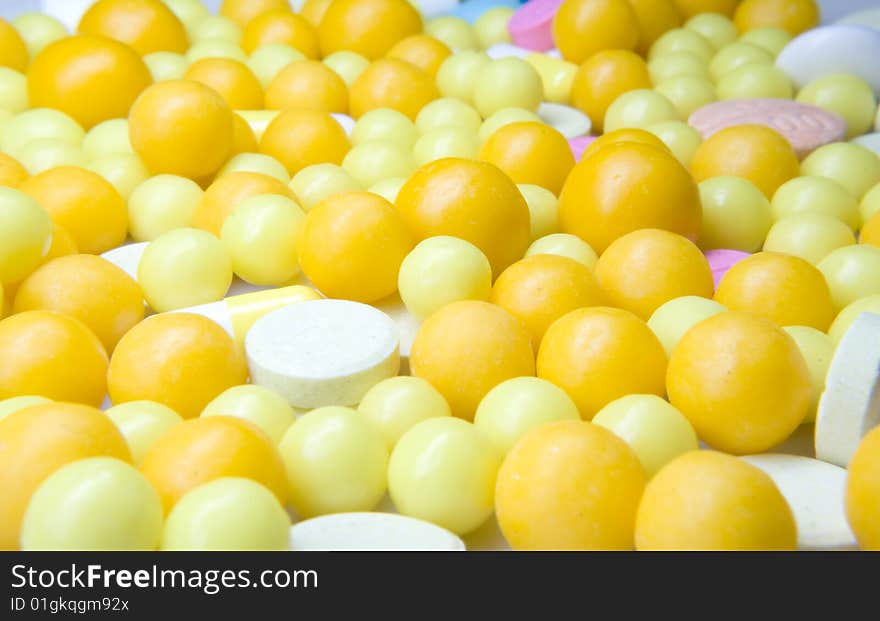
(371, 531)
(568, 121)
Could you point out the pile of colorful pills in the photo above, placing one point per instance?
(439, 275)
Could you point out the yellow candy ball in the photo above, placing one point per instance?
(565, 245)
(124, 171)
(445, 142)
(41, 155)
(810, 236)
(313, 184)
(457, 75)
(849, 314)
(863, 492)
(543, 210)
(507, 82)
(448, 112)
(456, 33)
(677, 64)
(38, 30)
(674, 318)
(265, 409)
(397, 404)
(267, 61)
(736, 55)
(505, 116)
(682, 40)
(166, 65)
(491, 26)
(161, 204)
(753, 81)
(38, 123)
(384, 124)
(141, 423)
(687, 93)
(717, 29)
(374, 160)
(14, 404)
(25, 235)
(639, 108)
(184, 267)
(817, 349)
(870, 203)
(847, 95)
(852, 273)
(107, 138)
(770, 39)
(853, 166)
(348, 65)
(258, 163)
(736, 214)
(681, 139)
(13, 91)
(814, 194)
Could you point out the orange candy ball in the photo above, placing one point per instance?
(351, 246)
(654, 17)
(38, 440)
(232, 80)
(541, 288)
(13, 51)
(644, 269)
(90, 78)
(604, 77)
(624, 134)
(88, 288)
(600, 354)
(628, 186)
(368, 27)
(201, 450)
(468, 199)
(181, 127)
(532, 153)
(754, 152)
(298, 138)
(146, 25)
(308, 84)
(243, 12)
(51, 355)
(863, 492)
(395, 84)
(314, 10)
(583, 27)
(281, 26)
(423, 51)
(783, 288)
(794, 16)
(84, 204)
(228, 191)
(12, 173)
(467, 348)
(689, 8)
(178, 359)
(870, 233)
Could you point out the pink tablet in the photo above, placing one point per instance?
(722, 260)
(579, 144)
(531, 26)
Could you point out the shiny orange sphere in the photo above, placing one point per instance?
(281, 26)
(425, 52)
(367, 27)
(228, 191)
(13, 51)
(308, 84)
(583, 27)
(243, 12)
(604, 77)
(146, 25)
(298, 138)
(532, 153)
(233, 80)
(395, 84)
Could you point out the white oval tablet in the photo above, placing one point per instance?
(815, 492)
(322, 352)
(127, 257)
(346, 121)
(506, 50)
(869, 141)
(868, 17)
(568, 121)
(407, 326)
(371, 531)
(850, 406)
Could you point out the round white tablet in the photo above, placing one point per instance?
(815, 492)
(371, 531)
(127, 257)
(850, 406)
(322, 352)
(568, 121)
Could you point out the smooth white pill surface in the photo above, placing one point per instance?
(371, 531)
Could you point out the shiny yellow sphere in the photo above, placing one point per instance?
(810, 236)
(674, 318)
(736, 214)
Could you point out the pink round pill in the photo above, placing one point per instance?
(531, 26)
(578, 145)
(722, 260)
(805, 127)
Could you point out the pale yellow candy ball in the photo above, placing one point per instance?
(676, 64)
(505, 117)
(870, 203)
(161, 204)
(441, 270)
(184, 267)
(374, 160)
(229, 513)
(853, 166)
(446, 141)
(396, 404)
(448, 112)
(336, 461)
(734, 56)
(38, 123)
(215, 28)
(215, 48)
(655, 430)
(755, 81)
(124, 171)
(770, 39)
(13, 91)
(852, 273)
(456, 33)
(736, 214)
(848, 315)
(717, 29)
(491, 26)
(25, 236)
(809, 235)
(565, 245)
(99, 503)
(258, 405)
(507, 82)
(672, 319)
(384, 124)
(847, 95)
(458, 74)
(518, 405)
(189, 12)
(45, 153)
(348, 65)
(166, 65)
(638, 109)
(314, 183)
(557, 76)
(261, 237)
(810, 194)
(14, 404)
(258, 163)
(267, 61)
(682, 139)
(687, 93)
(38, 30)
(682, 40)
(817, 348)
(107, 138)
(141, 423)
(388, 188)
(543, 210)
